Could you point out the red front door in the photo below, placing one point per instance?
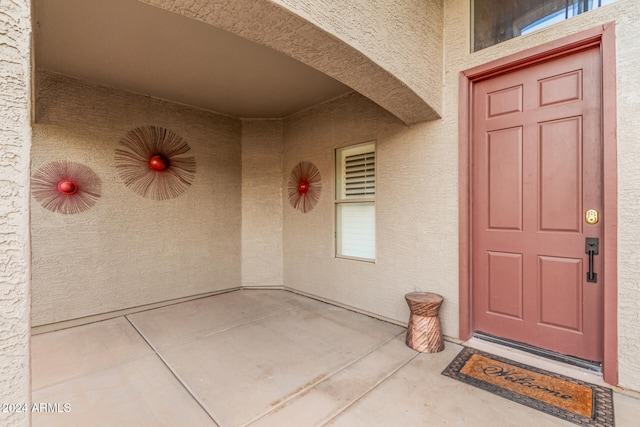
(537, 170)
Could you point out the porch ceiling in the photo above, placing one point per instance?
(132, 46)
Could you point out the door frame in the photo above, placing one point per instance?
(604, 37)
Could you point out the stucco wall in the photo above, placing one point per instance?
(416, 202)
(127, 250)
(404, 38)
(388, 51)
(15, 142)
(262, 203)
(628, 52)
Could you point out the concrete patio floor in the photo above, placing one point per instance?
(262, 358)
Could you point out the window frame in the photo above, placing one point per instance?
(519, 25)
(339, 199)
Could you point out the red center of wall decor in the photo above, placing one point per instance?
(158, 162)
(67, 186)
(303, 187)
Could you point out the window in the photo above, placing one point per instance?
(495, 21)
(355, 201)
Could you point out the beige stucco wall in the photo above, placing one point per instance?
(262, 203)
(416, 208)
(389, 51)
(404, 38)
(628, 132)
(15, 143)
(127, 250)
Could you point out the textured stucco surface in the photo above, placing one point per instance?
(15, 141)
(262, 203)
(628, 53)
(390, 52)
(127, 250)
(415, 212)
(404, 38)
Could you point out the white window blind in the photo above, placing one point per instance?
(360, 180)
(355, 201)
(356, 230)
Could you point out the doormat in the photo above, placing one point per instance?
(567, 398)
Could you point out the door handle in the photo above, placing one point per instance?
(591, 249)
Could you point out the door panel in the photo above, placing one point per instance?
(560, 285)
(560, 175)
(561, 88)
(504, 101)
(505, 179)
(505, 284)
(537, 155)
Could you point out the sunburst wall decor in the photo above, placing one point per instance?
(65, 187)
(304, 186)
(153, 162)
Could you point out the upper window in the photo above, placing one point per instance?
(494, 21)
(355, 201)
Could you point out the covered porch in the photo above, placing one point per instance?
(265, 358)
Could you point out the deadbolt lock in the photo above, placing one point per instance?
(591, 216)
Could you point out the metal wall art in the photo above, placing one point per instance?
(65, 187)
(153, 162)
(304, 186)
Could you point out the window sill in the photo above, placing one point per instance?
(353, 258)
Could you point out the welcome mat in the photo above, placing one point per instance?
(567, 398)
